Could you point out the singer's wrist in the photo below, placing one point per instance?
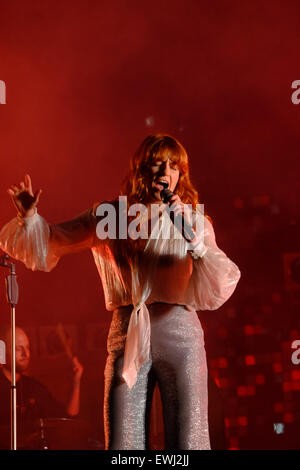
(199, 252)
(27, 220)
(27, 214)
(196, 248)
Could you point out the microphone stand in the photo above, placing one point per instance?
(12, 295)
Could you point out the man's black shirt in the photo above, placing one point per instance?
(34, 401)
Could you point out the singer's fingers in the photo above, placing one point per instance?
(28, 183)
(13, 197)
(12, 194)
(175, 197)
(173, 206)
(26, 180)
(37, 195)
(177, 205)
(15, 188)
(178, 211)
(181, 208)
(22, 186)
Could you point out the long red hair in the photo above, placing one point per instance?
(137, 184)
(158, 147)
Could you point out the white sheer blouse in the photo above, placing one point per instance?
(165, 272)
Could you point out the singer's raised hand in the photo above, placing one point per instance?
(23, 197)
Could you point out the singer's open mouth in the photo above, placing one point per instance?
(161, 183)
(162, 179)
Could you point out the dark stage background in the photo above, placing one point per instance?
(86, 81)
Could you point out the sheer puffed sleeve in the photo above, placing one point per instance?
(39, 245)
(214, 276)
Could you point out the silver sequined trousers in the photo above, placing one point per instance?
(178, 362)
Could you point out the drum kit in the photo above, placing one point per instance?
(57, 434)
(52, 434)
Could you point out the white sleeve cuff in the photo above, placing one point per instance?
(198, 252)
(28, 220)
(196, 248)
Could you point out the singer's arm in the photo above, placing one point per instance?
(39, 245)
(214, 276)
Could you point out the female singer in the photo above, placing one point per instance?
(153, 285)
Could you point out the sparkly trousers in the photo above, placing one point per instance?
(178, 362)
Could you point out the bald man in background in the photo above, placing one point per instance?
(34, 401)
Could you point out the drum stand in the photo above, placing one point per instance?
(12, 293)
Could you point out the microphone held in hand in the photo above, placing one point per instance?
(178, 219)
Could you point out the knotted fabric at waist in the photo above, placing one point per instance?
(137, 346)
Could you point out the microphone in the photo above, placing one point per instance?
(178, 220)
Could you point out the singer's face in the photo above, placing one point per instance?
(164, 170)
